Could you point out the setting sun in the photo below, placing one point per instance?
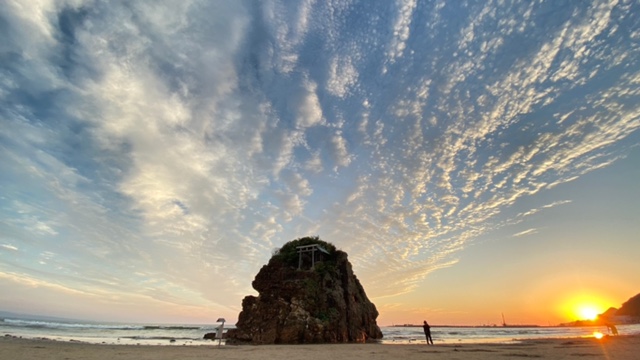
(587, 312)
(584, 306)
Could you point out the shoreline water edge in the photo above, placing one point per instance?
(189, 334)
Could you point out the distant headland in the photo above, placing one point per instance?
(471, 326)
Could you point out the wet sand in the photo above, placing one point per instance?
(620, 348)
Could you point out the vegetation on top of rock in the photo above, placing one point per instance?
(288, 253)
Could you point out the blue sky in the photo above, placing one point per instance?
(155, 153)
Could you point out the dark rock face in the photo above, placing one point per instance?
(321, 304)
(213, 336)
(631, 307)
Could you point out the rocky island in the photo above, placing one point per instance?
(308, 293)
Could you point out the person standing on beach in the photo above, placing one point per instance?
(427, 332)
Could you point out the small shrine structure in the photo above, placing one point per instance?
(316, 251)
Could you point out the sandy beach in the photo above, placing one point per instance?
(621, 348)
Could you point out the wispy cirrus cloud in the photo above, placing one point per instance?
(525, 232)
(9, 247)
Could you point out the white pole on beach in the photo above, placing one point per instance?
(219, 330)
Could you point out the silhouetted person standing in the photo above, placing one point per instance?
(427, 332)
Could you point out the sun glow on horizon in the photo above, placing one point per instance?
(584, 305)
(584, 308)
(587, 312)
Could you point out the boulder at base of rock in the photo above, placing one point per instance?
(315, 298)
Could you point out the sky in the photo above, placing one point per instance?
(473, 158)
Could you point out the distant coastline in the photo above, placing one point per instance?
(475, 326)
(579, 323)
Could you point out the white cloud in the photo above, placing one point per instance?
(526, 232)
(306, 105)
(342, 76)
(288, 24)
(339, 150)
(314, 164)
(9, 247)
(298, 184)
(401, 29)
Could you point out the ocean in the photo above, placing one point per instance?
(188, 335)
(498, 334)
(108, 333)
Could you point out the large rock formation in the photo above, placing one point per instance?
(317, 300)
